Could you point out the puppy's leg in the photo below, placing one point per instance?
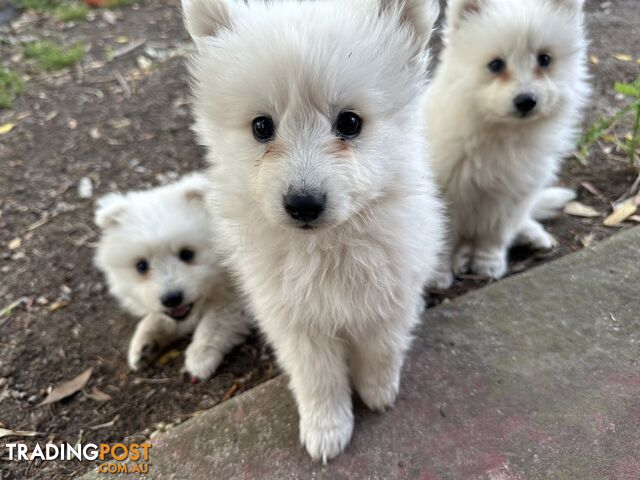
(317, 368)
(442, 277)
(376, 360)
(533, 234)
(152, 333)
(490, 255)
(217, 333)
(461, 259)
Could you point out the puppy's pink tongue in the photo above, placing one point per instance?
(180, 311)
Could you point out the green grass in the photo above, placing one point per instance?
(69, 11)
(50, 56)
(601, 129)
(113, 4)
(72, 12)
(63, 10)
(11, 85)
(40, 5)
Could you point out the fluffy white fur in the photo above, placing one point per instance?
(154, 226)
(338, 302)
(491, 164)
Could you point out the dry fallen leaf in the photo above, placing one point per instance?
(635, 218)
(231, 392)
(17, 433)
(15, 243)
(595, 60)
(577, 209)
(144, 63)
(623, 57)
(621, 213)
(68, 388)
(58, 304)
(6, 128)
(168, 357)
(99, 395)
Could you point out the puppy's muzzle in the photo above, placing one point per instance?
(525, 103)
(305, 207)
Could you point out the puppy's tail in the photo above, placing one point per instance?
(550, 201)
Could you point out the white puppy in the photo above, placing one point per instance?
(502, 110)
(155, 251)
(312, 112)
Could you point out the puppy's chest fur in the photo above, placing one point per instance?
(496, 171)
(344, 280)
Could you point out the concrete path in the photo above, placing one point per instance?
(535, 377)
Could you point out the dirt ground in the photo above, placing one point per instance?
(121, 118)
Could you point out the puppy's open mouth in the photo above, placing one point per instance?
(180, 313)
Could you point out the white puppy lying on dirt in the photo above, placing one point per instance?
(155, 251)
(503, 109)
(313, 117)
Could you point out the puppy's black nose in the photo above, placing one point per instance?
(305, 207)
(525, 102)
(172, 299)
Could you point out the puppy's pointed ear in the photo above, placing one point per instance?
(419, 15)
(109, 210)
(460, 10)
(195, 187)
(206, 18)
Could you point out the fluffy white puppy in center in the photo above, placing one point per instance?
(312, 115)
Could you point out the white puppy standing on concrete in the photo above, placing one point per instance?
(503, 109)
(312, 113)
(156, 253)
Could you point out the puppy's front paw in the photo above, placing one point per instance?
(325, 437)
(535, 236)
(379, 397)
(441, 280)
(142, 353)
(461, 260)
(201, 361)
(544, 241)
(489, 265)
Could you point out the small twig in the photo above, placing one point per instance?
(151, 380)
(106, 425)
(631, 193)
(123, 83)
(127, 49)
(231, 392)
(594, 191)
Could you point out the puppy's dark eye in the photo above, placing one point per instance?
(348, 125)
(186, 255)
(497, 65)
(142, 266)
(263, 129)
(544, 60)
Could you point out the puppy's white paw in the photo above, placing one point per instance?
(325, 437)
(142, 352)
(543, 241)
(535, 236)
(201, 361)
(379, 397)
(489, 264)
(441, 280)
(461, 261)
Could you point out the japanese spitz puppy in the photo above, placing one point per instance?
(312, 113)
(502, 110)
(155, 251)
